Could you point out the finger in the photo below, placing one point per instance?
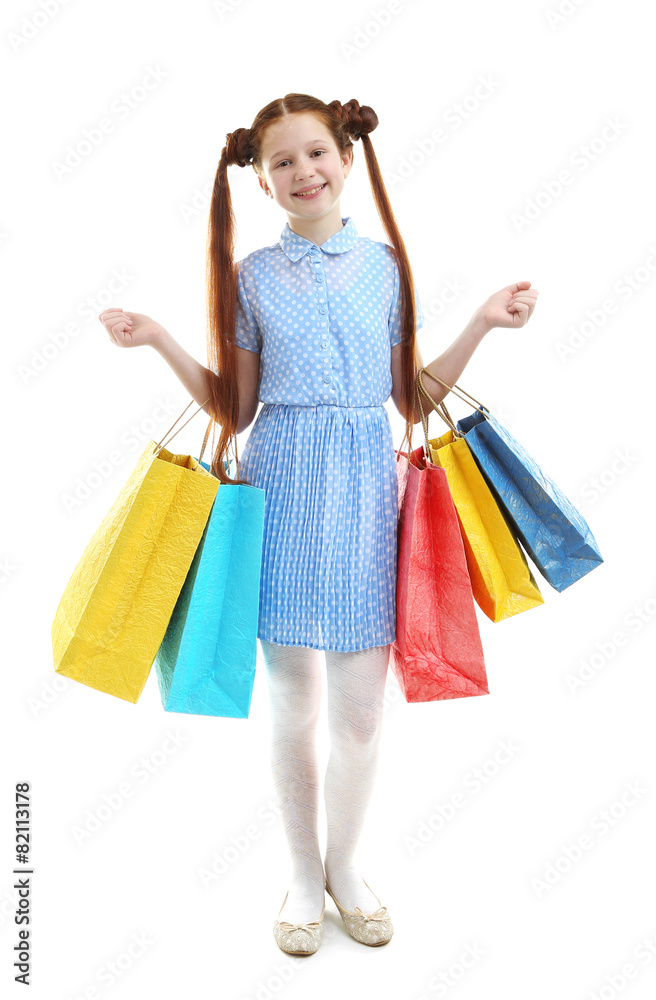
(519, 284)
(113, 314)
(119, 322)
(519, 309)
(524, 299)
(117, 328)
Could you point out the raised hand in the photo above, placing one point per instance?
(129, 329)
(511, 306)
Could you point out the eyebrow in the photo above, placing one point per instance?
(312, 142)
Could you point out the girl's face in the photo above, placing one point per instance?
(299, 153)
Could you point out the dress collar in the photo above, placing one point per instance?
(296, 246)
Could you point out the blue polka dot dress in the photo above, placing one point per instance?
(323, 320)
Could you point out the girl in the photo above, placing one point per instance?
(321, 328)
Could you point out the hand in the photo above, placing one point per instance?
(128, 329)
(512, 306)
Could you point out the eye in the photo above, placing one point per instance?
(315, 151)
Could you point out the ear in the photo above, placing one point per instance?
(265, 187)
(347, 161)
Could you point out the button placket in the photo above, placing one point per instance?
(316, 259)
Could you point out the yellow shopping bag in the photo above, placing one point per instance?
(501, 579)
(115, 609)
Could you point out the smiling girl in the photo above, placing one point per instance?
(319, 327)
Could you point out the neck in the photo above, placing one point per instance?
(317, 231)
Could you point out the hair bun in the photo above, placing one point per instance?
(237, 148)
(359, 119)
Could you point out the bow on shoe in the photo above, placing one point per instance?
(379, 914)
(311, 925)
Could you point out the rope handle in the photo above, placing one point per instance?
(164, 438)
(424, 419)
(451, 388)
(440, 408)
(207, 433)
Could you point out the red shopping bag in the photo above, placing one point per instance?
(438, 652)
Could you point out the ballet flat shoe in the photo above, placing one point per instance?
(367, 928)
(298, 939)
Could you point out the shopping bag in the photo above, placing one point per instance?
(206, 662)
(502, 581)
(552, 530)
(437, 653)
(117, 604)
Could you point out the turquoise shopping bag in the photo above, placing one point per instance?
(206, 662)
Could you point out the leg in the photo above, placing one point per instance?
(294, 682)
(356, 688)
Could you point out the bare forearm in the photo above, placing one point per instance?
(194, 376)
(450, 365)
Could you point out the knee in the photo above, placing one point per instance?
(361, 738)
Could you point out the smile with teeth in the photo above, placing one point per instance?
(304, 194)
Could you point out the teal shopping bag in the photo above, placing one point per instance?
(206, 662)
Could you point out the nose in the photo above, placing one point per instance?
(304, 167)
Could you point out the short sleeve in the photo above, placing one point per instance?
(395, 333)
(247, 333)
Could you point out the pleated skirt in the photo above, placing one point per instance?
(328, 574)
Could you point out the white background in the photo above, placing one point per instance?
(574, 387)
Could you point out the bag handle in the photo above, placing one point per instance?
(439, 407)
(164, 438)
(451, 388)
(207, 434)
(443, 412)
(226, 464)
(424, 418)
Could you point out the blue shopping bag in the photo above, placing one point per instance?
(554, 533)
(206, 662)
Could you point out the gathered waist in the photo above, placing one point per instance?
(319, 418)
(326, 406)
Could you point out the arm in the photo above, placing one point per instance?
(448, 366)
(130, 329)
(196, 378)
(510, 307)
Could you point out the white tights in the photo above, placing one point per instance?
(356, 687)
